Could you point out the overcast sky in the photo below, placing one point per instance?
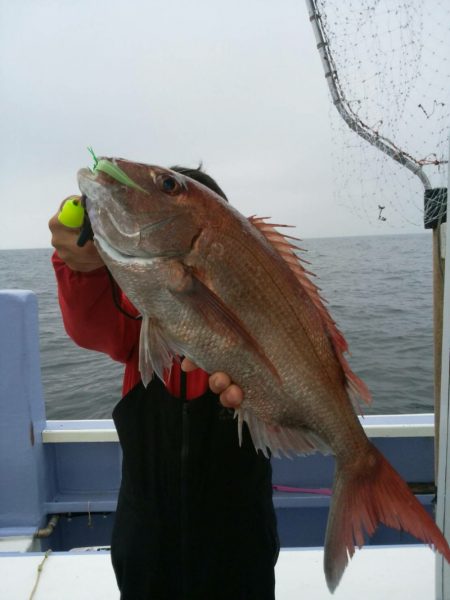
(235, 84)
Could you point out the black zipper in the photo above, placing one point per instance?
(184, 487)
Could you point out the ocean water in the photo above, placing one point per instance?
(378, 288)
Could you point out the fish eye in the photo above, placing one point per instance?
(169, 185)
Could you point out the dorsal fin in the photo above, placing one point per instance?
(356, 388)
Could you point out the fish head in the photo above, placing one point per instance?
(157, 212)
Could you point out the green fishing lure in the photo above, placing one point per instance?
(106, 166)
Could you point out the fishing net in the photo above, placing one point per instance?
(390, 64)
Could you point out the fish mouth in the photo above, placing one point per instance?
(102, 211)
(119, 256)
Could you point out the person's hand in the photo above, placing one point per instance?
(64, 240)
(230, 394)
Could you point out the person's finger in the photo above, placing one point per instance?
(232, 396)
(187, 365)
(219, 381)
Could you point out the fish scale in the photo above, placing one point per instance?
(279, 333)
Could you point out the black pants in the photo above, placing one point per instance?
(195, 519)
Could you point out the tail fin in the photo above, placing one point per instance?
(366, 494)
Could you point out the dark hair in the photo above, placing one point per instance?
(201, 177)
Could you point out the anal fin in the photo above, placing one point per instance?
(278, 440)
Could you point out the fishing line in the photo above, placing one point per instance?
(115, 294)
(39, 573)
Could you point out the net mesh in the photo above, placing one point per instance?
(392, 62)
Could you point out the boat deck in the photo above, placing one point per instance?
(401, 572)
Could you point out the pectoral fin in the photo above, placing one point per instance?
(219, 316)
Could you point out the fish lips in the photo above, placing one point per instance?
(95, 195)
(107, 219)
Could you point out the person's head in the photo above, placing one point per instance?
(201, 177)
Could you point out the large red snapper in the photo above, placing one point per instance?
(231, 294)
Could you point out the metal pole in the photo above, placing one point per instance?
(443, 478)
(350, 117)
(438, 304)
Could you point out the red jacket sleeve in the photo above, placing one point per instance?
(90, 316)
(94, 322)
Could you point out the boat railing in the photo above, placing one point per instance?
(62, 467)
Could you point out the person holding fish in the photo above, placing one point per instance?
(195, 518)
(191, 276)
